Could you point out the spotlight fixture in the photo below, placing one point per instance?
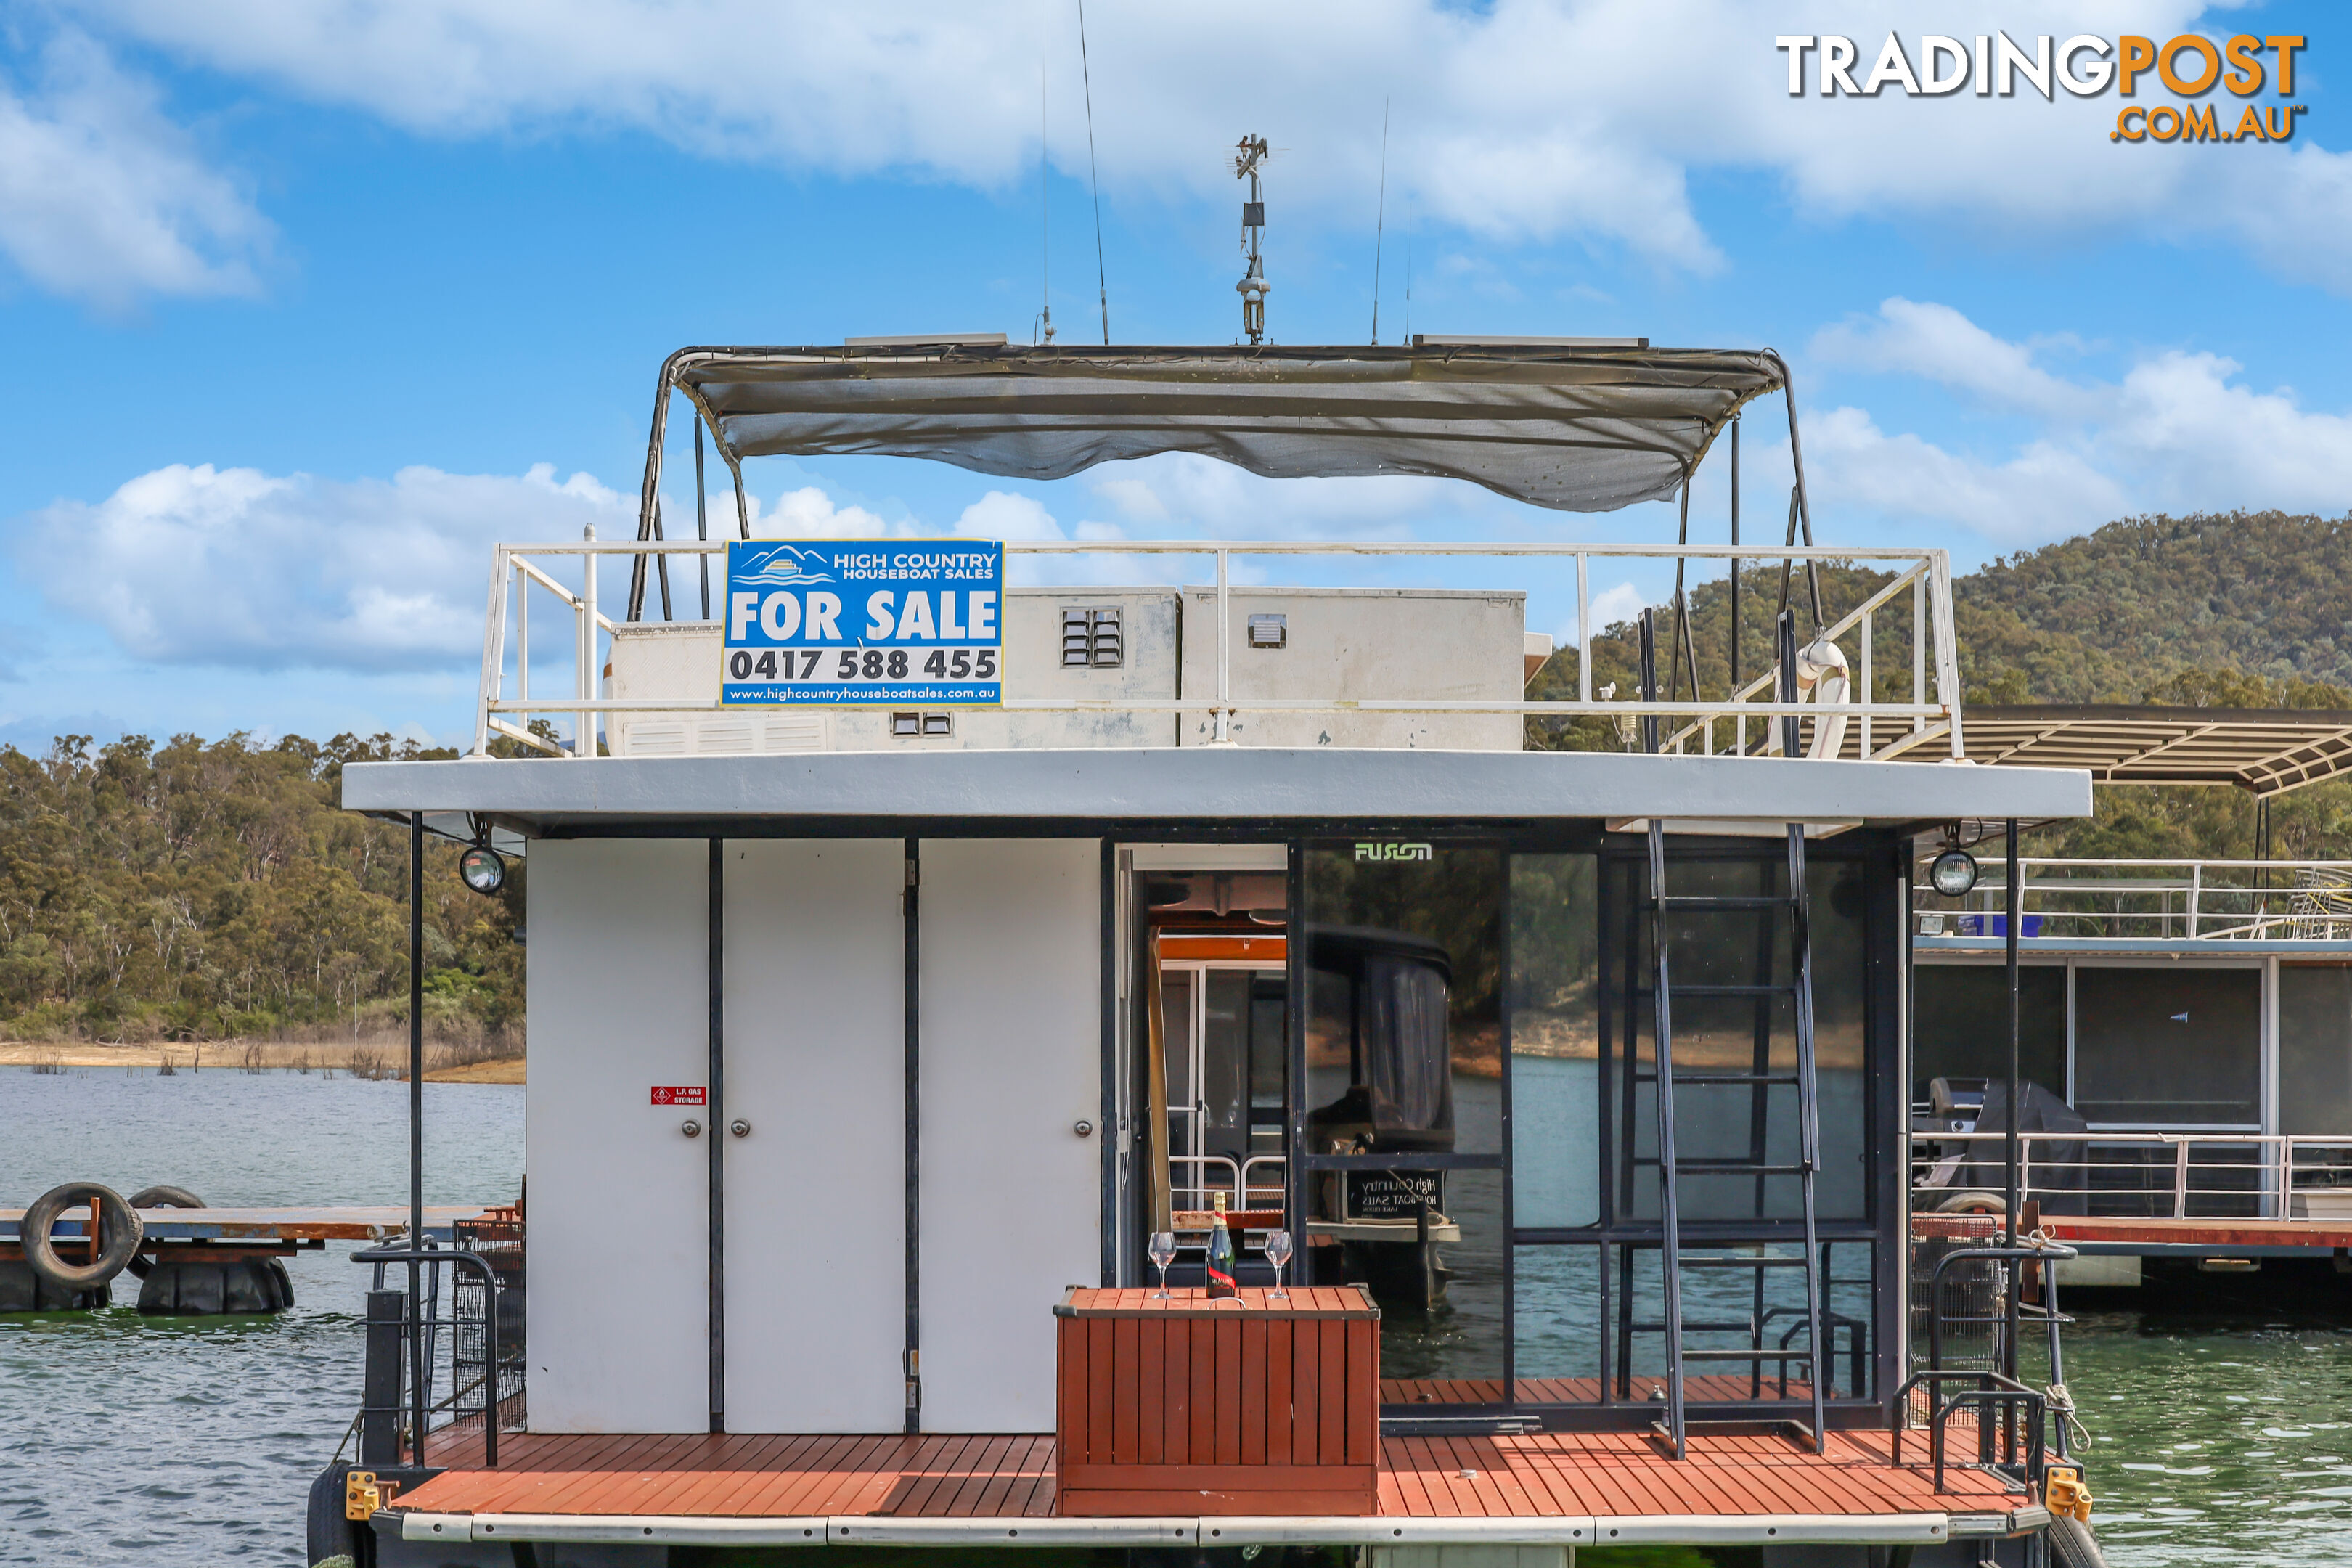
(484, 870)
(1953, 873)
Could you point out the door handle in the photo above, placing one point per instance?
(740, 1128)
(690, 1127)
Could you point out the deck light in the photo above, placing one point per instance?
(483, 868)
(1953, 873)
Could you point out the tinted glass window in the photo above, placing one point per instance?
(2169, 1045)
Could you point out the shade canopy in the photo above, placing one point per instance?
(1578, 428)
(2265, 750)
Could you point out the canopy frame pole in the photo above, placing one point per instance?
(1735, 560)
(419, 1393)
(1800, 502)
(702, 515)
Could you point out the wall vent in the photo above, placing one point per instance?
(1091, 639)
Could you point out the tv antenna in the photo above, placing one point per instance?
(1044, 216)
(1381, 223)
(1248, 157)
(1094, 179)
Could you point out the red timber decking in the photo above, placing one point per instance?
(1546, 1476)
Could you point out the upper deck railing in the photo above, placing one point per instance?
(1864, 724)
(2168, 901)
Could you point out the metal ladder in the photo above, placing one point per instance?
(1760, 1080)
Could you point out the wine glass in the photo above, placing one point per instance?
(1164, 1253)
(1277, 1252)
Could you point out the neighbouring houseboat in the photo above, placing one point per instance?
(2184, 1026)
(916, 992)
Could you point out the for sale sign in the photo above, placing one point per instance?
(863, 623)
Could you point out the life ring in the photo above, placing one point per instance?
(161, 1197)
(120, 1231)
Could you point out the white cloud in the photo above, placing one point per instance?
(1611, 605)
(1938, 343)
(2179, 432)
(233, 566)
(809, 513)
(1538, 119)
(103, 199)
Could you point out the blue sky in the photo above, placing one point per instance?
(307, 305)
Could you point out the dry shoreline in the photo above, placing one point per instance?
(384, 1059)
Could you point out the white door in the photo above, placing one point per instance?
(1011, 1050)
(618, 1306)
(816, 1251)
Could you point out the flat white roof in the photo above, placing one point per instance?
(1206, 784)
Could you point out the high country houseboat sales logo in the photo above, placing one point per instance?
(1994, 65)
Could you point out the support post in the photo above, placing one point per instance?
(2014, 895)
(380, 1381)
(717, 1153)
(418, 1373)
(914, 1352)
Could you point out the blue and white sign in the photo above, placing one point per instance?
(863, 623)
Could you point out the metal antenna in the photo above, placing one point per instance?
(1249, 156)
(1044, 214)
(1381, 223)
(1094, 177)
(1408, 281)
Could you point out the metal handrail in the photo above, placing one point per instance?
(490, 1343)
(1927, 572)
(2199, 900)
(2277, 1166)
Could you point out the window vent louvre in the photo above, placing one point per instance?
(1091, 639)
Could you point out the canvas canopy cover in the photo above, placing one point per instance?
(1578, 428)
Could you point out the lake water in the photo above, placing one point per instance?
(2222, 1438)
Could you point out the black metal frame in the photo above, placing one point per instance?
(717, 1154)
(419, 1378)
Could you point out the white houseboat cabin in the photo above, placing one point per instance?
(899, 1062)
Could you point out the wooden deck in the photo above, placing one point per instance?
(2114, 1230)
(1547, 1475)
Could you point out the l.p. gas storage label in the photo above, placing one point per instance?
(863, 623)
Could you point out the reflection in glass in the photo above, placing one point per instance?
(1555, 1041)
(1451, 1352)
(1753, 1122)
(1557, 1292)
(1404, 960)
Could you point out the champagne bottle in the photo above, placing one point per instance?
(1221, 1254)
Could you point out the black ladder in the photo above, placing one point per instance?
(1760, 1080)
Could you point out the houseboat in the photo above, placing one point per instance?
(940, 950)
(2185, 1027)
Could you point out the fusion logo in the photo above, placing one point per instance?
(1393, 852)
(2086, 65)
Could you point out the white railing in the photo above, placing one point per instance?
(1902, 726)
(2176, 1175)
(2201, 900)
(1239, 1189)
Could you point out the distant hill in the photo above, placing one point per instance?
(2242, 609)
(2111, 615)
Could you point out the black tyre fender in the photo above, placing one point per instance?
(120, 1231)
(161, 1197)
(2072, 1545)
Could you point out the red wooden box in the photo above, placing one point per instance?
(1186, 1406)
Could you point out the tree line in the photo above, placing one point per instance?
(202, 890)
(210, 889)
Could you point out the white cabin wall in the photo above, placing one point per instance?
(1011, 1050)
(816, 1251)
(618, 1003)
